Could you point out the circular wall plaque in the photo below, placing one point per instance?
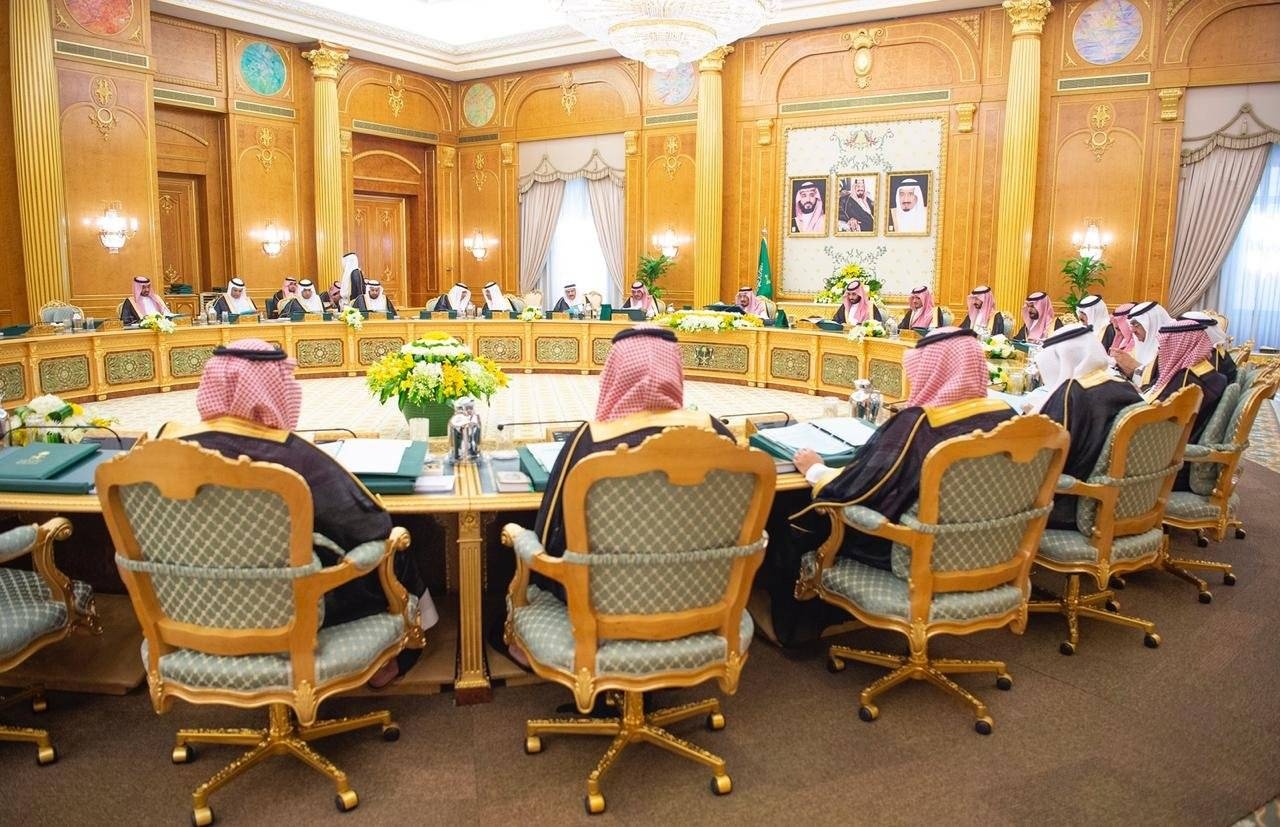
(262, 68)
(674, 86)
(105, 17)
(478, 104)
(1107, 31)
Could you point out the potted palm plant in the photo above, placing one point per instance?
(1081, 273)
(650, 269)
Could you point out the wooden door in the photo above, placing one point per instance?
(180, 223)
(382, 242)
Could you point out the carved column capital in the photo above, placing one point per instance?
(1028, 16)
(631, 142)
(508, 152)
(326, 59)
(446, 156)
(714, 60)
(1169, 103)
(764, 131)
(964, 116)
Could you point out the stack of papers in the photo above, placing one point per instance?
(835, 439)
(545, 453)
(368, 456)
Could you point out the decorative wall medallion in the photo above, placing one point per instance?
(67, 373)
(500, 348)
(361, 214)
(479, 104)
(600, 350)
(724, 358)
(477, 171)
(13, 382)
(785, 363)
(130, 366)
(671, 157)
(1100, 119)
(371, 350)
(839, 370)
(886, 377)
(674, 86)
(60, 22)
(266, 147)
(167, 203)
(262, 68)
(555, 350)
(316, 353)
(568, 92)
(189, 361)
(861, 43)
(104, 17)
(170, 274)
(104, 94)
(1107, 31)
(395, 94)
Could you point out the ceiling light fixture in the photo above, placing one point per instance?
(665, 33)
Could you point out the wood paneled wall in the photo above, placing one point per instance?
(1108, 144)
(13, 287)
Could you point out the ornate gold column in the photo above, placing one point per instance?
(42, 204)
(325, 61)
(1018, 163)
(708, 215)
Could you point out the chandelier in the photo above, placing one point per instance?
(115, 228)
(665, 33)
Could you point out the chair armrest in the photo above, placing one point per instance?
(1068, 484)
(1210, 453)
(364, 556)
(529, 550)
(870, 521)
(17, 542)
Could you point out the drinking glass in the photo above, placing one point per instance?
(830, 407)
(1017, 382)
(419, 429)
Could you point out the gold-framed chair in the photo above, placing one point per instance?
(38, 608)
(594, 299)
(1211, 506)
(231, 608)
(1119, 513)
(56, 311)
(961, 556)
(650, 603)
(533, 299)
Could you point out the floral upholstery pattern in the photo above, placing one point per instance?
(28, 609)
(1073, 547)
(543, 625)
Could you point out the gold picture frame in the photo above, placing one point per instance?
(896, 216)
(796, 183)
(852, 209)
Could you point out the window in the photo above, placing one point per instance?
(575, 256)
(1249, 287)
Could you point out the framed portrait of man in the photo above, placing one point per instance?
(807, 209)
(910, 197)
(858, 202)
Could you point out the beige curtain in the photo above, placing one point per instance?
(539, 209)
(608, 211)
(1213, 197)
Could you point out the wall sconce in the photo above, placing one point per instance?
(274, 240)
(1092, 241)
(114, 229)
(667, 243)
(476, 245)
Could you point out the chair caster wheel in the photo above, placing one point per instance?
(594, 803)
(721, 785)
(868, 712)
(391, 732)
(1228, 579)
(1202, 541)
(183, 754)
(39, 704)
(1240, 534)
(1112, 606)
(1116, 582)
(1206, 597)
(346, 801)
(46, 756)
(1067, 647)
(201, 817)
(1151, 640)
(715, 721)
(982, 726)
(835, 665)
(532, 745)
(1004, 682)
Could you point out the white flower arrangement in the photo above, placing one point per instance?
(51, 410)
(997, 375)
(352, 316)
(997, 347)
(156, 322)
(870, 329)
(707, 321)
(530, 314)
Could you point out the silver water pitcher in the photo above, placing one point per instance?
(464, 431)
(865, 400)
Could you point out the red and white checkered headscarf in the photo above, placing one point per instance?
(643, 372)
(860, 312)
(924, 316)
(1040, 328)
(1124, 340)
(945, 367)
(1182, 345)
(260, 388)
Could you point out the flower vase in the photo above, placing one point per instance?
(437, 413)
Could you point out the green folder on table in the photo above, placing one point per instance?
(43, 460)
(400, 482)
(530, 465)
(78, 479)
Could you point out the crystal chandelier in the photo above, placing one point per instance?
(665, 33)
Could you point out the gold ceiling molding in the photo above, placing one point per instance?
(1101, 119)
(568, 92)
(395, 94)
(861, 42)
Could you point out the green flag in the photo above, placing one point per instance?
(764, 275)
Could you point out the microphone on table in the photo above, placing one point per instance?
(502, 425)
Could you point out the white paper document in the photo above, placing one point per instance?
(1019, 401)
(545, 453)
(433, 484)
(826, 436)
(368, 456)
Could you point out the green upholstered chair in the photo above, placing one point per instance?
(649, 603)
(217, 558)
(58, 312)
(37, 608)
(961, 557)
(1211, 506)
(1119, 512)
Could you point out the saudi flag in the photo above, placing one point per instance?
(764, 275)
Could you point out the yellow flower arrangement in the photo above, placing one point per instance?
(434, 368)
